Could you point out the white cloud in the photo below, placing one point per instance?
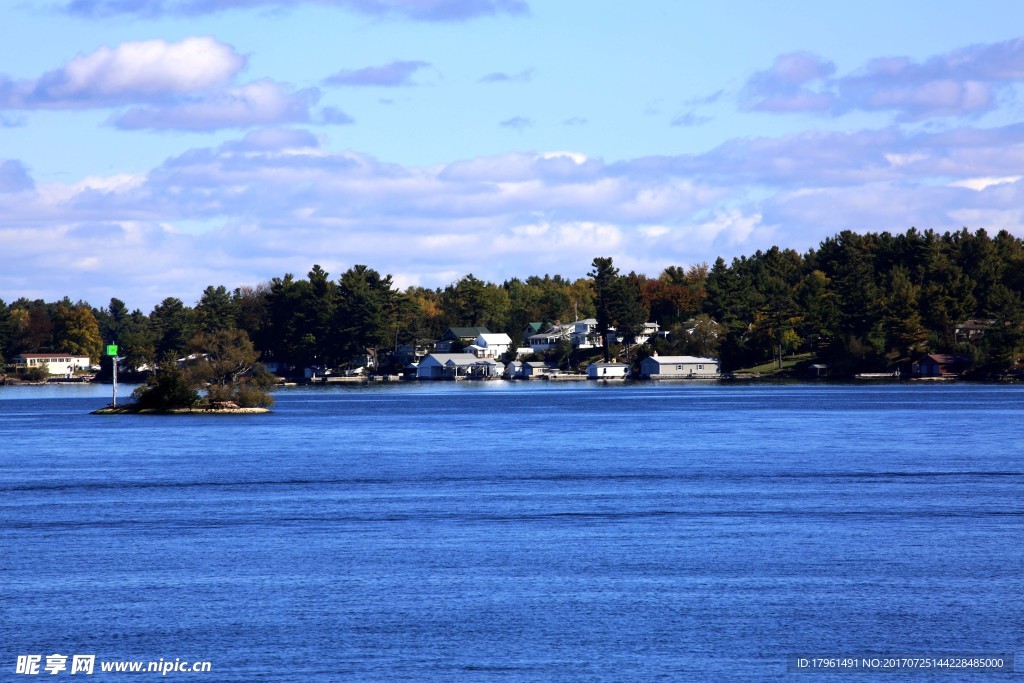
(133, 72)
(980, 184)
(730, 227)
(277, 200)
(577, 157)
(961, 82)
(262, 102)
(904, 159)
(181, 86)
(121, 182)
(654, 231)
(151, 67)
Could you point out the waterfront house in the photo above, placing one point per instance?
(535, 369)
(607, 371)
(818, 370)
(941, 365)
(513, 370)
(490, 345)
(582, 334)
(548, 339)
(678, 367)
(458, 365)
(458, 337)
(57, 364)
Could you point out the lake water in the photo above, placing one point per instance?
(516, 532)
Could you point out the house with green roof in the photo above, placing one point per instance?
(458, 337)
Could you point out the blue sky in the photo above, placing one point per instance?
(149, 149)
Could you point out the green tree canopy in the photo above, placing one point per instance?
(366, 312)
(75, 331)
(221, 363)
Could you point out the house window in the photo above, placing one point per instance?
(700, 367)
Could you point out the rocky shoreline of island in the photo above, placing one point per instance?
(217, 408)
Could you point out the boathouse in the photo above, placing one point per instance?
(678, 367)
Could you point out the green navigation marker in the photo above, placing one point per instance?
(112, 349)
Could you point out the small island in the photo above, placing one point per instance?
(221, 364)
(201, 408)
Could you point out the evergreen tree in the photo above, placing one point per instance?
(605, 278)
(300, 314)
(215, 310)
(472, 302)
(1004, 342)
(5, 334)
(905, 333)
(169, 322)
(252, 314)
(819, 312)
(136, 342)
(366, 312)
(628, 309)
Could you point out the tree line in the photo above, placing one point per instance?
(860, 302)
(866, 302)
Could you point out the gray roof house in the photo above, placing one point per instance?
(532, 369)
(457, 366)
(678, 367)
(582, 334)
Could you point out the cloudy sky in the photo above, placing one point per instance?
(149, 148)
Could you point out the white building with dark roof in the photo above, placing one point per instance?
(457, 365)
(678, 367)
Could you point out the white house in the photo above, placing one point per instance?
(678, 367)
(460, 336)
(582, 334)
(548, 339)
(607, 371)
(650, 330)
(56, 363)
(455, 365)
(490, 345)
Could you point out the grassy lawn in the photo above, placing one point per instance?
(771, 367)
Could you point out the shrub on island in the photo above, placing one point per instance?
(222, 364)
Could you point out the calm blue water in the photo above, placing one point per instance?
(497, 532)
